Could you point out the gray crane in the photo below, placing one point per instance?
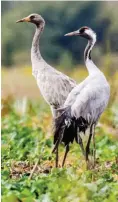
(84, 104)
(53, 85)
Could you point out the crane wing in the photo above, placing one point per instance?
(75, 92)
(90, 102)
(54, 86)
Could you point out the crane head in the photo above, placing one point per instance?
(33, 18)
(85, 32)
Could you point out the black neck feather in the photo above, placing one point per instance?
(87, 53)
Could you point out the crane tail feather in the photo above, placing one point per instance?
(59, 124)
(66, 127)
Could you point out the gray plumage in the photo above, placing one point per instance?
(90, 98)
(85, 103)
(53, 85)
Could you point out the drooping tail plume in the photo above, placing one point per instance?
(67, 128)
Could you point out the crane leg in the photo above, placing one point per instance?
(88, 144)
(57, 143)
(81, 145)
(94, 148)
(65, 155)
(55, 149)
(79, 141)
(56, 161)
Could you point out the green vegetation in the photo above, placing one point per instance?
(27, 139)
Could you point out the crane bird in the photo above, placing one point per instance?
(53, 85)
(84, 104)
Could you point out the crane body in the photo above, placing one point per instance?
(54, 85)
(84, 104)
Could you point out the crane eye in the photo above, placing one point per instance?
(83, 29)
(32, 17)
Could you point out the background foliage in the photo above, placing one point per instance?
(26, 118)
(60, 17)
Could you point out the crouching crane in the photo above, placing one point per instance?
(54, 85)
(84, 104)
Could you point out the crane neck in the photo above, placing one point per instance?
(87, 52)
(92, 68)
(35, 52)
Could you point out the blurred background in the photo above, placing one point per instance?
(61, 52)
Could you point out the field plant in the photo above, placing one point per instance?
(27, 141)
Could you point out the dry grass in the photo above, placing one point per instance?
(19, 82)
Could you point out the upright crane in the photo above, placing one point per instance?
(54, 85)
(84, 104)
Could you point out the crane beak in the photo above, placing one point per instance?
(75, 33)
(26, 19)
